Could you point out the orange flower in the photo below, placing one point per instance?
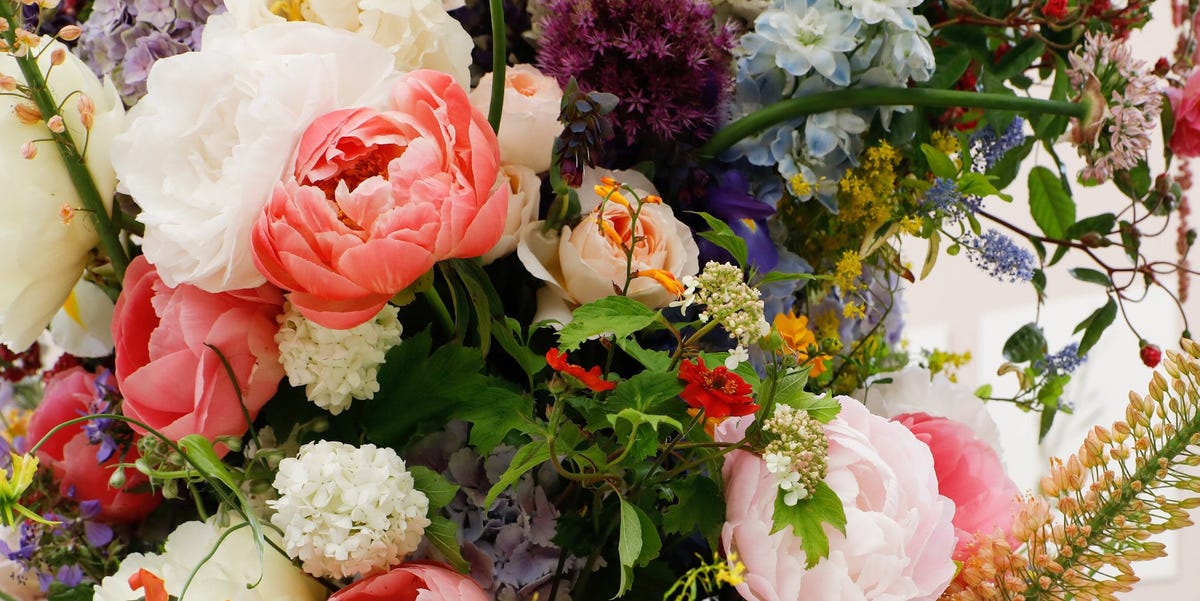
(591, 378)
(797, 339)
(156, 590)
(664, 278)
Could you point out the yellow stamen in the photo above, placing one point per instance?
(652, 199)
(664, 279)
(71, 307)
(291, 10)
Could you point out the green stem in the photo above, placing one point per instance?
(499, 62)
(77, 169)
(852, 98)
(439, 307)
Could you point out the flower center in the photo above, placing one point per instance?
(809, 29)
(373, 163)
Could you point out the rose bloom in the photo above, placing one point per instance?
(221, 125)
(41, 257)
(74, 460)
(898, 540)
(170, 377)
(529, 119)
(377, 197)
(524, 200)
(720, 392)
(580, 264)
(1185, 104)
(413, 582)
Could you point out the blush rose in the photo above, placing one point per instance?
(413, 582)
(529, 121)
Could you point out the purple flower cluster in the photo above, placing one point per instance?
(98, 429)
(122, 39)
(1002, 258)
(988, 148)
(1065, 361)
(667, 61)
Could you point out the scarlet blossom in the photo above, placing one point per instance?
(1056, 9)
(413, 581)
(592, 378)
(1150, 355)
(720, 392)
(153, 585)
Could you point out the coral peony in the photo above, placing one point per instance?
(375, 198)
(82, 469)
(1185, 104)
(168, 371)
(413, 581)
(898, 539)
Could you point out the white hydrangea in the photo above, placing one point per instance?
(347, 510)
(335, 366)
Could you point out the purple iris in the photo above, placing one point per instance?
(730, 201)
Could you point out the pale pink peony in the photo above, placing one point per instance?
(899, 537)
(170, 377)
(1185, 104)
(413, 582)
(970, 473)
(376, 198)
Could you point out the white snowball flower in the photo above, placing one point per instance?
(217, 128)
(224, 576)
(347, 510)
(804, 36)
(335, 366)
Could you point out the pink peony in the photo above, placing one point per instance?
(74, 460)
(413, 581)
(170, 377)
(376, 198)
(899, 536)
(970, 473)
(1185, 103)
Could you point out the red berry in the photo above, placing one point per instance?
(1151, 355)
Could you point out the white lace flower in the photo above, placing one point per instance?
(335, 366)
(347, 510)
(804, 36)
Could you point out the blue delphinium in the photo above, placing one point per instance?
(1002, 258)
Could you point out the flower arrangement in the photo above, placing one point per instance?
(571, 299)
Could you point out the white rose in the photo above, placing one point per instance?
(419, 33)
(216, 130)
(41, 257)
(580, 264)
(529, 121)
(224, 576)
(524, 198)
(83, 327)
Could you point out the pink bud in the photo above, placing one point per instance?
(58, 57)
(28, 150)
(56, 124)
(87, 110)
(70, 33)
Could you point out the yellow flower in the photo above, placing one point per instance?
(854, 310)
(14, 485)
(944, 142)
(731, 572)
(798, 339)
(847, 270)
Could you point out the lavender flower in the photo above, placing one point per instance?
(1002, 258)
(944, 196)
(666, 60)
(1065, 361)
(987, 149)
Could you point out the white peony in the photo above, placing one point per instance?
(41, 257)
(224, 576)
(420, 34)
(83, 327)
(911, 390)
(216, 130)
(524, 199)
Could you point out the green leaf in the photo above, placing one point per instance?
(443, 535)
(1049, 396)
(647, 391)
(629, 545)
(494, 412)
(1090, 276)
(643, 442)
(439, 490)
(1051, 127)
(1026, 344)
(1019, 58)
(700, 508)
(776, 276)
(719, 233)
(526, 458)
(939, 163)
(952, 61)
(1101, 224)
(656, 361)
(807, 518)
(619, 315)
(509, 334)
(83, 592)
(1134, 183)
(1096, 323)
(1051, 206)
(978, 184)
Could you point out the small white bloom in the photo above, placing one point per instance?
(335, 366)
(826, 131)
(898, 12)
(806, 36)
(737, 356)
(83, 327)
(348, 510)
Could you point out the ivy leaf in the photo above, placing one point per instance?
(1026, 344)
(722, 235)
(1051, 206)
(701, 508)
(619, 315)
(443, 535)
(526, 458)
(437, 489)
(806, 518)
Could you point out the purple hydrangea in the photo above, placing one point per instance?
(122, 39)
(667, 61)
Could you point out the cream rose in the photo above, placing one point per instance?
(581, 264)
(41, 257)
(529, 122)
(420, 34)
(207, 144)
(524, 198)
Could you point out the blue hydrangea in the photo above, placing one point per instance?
(987, 149)
(1000, 257)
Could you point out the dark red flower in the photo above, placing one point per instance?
(720, 392)
(591, 378)
(1055, 9)
(1151, 355)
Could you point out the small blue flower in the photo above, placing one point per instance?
(987, 149)
(1002, 258)
(944, 196)
(1065, 361)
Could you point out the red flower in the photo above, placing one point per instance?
(155, 589)
(1151, 355)
(720, 392)
(1055, 9)
(590, 378)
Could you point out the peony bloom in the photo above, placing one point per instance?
(168, 371)
(83, 327)
(418, 33)
(376, 198)
(524, 200)
(582, 264)
(76, 463)
(529, 122)
(221, 125)
(898, 540)
(413, 582)
(226, 575)
(35, 283)
(1185, 104)
(720, 392)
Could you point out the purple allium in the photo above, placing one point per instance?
(667, 61)
(1002, 258)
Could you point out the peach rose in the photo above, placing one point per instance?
(581, 264)
(529, 121)
(524, 200)
(170, 377)
(413, 582)
(376, 198)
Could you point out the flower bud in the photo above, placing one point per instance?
(27, 114)
(56, 124)
(58, 56)
(87, 110)
(117, 480)
(28, 151)
(1151, 355)
(70, 33)
(7, 82)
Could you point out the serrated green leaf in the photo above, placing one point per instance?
(719, 233)
(443, 535)
(1090, 276)
(939, 163)
(437, 489)
(1051, 206)
(655, 361)
(647, 391)
(1097, 322)
(526, 458)
(629, 544)
(619, 315)
(493, 412)
(1026, 344)
(700, 508)
(806, 518)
